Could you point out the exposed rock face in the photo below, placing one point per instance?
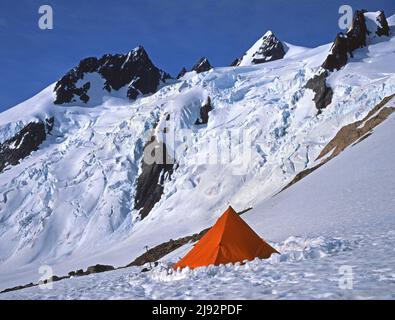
(323, 93)
(204, 111)
(268, 48)
(134, 70)
(235, 62)
(383, 28)
(202, 65)
(99, 268)
(92, 269)
(24, 142)
(358, 32)
(343, 48)
(182, 73)
(339, 54)
(355, 38)
(150, 183)
(165, 248)
(301, 175)
(31, 284)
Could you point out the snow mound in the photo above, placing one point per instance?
(293, 249)
(315, 276)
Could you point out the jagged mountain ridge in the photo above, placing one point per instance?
(134, 71)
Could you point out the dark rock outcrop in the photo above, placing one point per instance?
(134, 70)
(235, 62)
(383, 29)
(79, 272)
(99, 268)
(355, 38)
(24, 142)
(150, 183)
(301, 175)
(343, 48)
(18, 288)
(204, 111)
(202, 65)
(271, 49)
(323, 93)
(92, 269)
(358, 32)
(182, 73)
(339, 54)
(53, 279)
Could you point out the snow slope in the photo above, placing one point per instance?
(70, 203)
(341, 216)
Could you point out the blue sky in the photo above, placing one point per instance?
(174, 32)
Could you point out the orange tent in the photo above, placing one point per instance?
(229, 240)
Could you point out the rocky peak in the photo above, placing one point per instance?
(182, 73)
(270, 50)
(267, 48)
(134, 71)
(202, 65)
(355, 38)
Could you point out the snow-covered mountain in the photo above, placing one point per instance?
(83, 193)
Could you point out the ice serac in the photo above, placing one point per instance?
(134, 71)
(267, 48)
(365, 25)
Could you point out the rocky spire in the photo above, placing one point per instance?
(182, 73)
(202, 65)
(383, 28)
(355, 38)
(267, 48)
